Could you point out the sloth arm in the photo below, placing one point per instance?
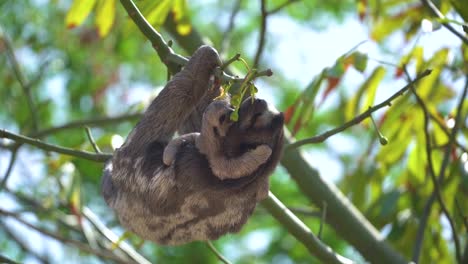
(244, 165)
(171, 149)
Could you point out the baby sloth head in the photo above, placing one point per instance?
(259, 123)
(216, 119)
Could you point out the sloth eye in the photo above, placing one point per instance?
(254, 119)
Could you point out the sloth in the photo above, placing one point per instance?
(215, 126)
(177, 191)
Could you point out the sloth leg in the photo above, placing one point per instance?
(171, 149)
(244, 165)
(175, 102)
(194, 120)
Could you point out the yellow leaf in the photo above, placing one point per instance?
(105, 15)
(371, 85)
(184, 28)
(158, 15)
(78, 12)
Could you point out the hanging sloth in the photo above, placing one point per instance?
(204, 183)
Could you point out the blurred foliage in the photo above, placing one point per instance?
(86, 59)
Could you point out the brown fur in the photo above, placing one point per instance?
(184, 202)
(215, 126)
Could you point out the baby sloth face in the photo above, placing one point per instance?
(259, 123)
(217, 117)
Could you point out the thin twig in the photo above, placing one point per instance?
(226, 39)
(446, 131)
(437, 182)
(22, 80)
(24, 247)
(216, 252)
(437, 13)
(112, 237)
(299, 230)
(99, 157)
(305, 211)
(81, 246)
(358, 119)
(231, 60)
(463, 217)
(263, 28)
(91, 140)
(172, 60)
(14, 154)
(280, 7)
(101, 121)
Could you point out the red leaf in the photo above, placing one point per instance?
(453, 153)
(76, 212)
(332, 84)
(288, 114)
(362, 5)
(399, 72)
(71, 26)
(297, 126)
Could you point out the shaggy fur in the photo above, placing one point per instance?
(186, 201)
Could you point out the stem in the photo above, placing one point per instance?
(442, 18)
(91, 140)
(299, 230)
(437, 193)
(263, 26)
(358, 119)
(100, 157)
(216, 252)
(172, 60)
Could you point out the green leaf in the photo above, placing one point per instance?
(78, 12)
(461, 7)
(360, 61)
(105, 15)
(371, 85)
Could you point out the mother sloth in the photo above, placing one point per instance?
(186, 201)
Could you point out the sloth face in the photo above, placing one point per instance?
(259, 123)
(216, 117)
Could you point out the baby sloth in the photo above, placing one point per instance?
(215, 126)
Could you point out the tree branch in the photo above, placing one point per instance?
(24, 247)
(26, 87)
(81, 246)
(172, 60)
(101, 121)
(263, 26)
(280, 7)
(99, 157)
(437, 193)
(14, 154)
(299, 230)
(7, 260)
(358, 119)
(437, 13)
(226, 34)
(112, 237)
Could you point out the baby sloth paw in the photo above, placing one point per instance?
(262, 153)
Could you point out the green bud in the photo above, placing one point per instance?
(383, 140)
